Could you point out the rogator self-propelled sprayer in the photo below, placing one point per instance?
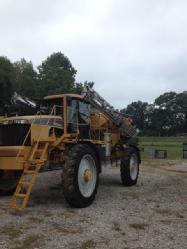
(75, 133)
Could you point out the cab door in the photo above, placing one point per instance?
(78, 112)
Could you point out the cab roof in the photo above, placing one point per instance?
(63, 95)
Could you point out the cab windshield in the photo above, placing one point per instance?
(52, 107)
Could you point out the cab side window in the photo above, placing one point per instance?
(84, 112)
(78, 113)
(72, 109)
(83, 117)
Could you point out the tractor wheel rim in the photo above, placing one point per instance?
(87, 168)
(133, 167)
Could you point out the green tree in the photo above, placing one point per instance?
(25, 78)
(182, 106)
(56, 75)
(6, 81)
(79, 87)
(167, 117)
(139, 112)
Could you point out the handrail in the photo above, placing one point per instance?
(46, 123)
(39, 137)
(25, 139)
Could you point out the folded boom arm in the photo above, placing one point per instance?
(90, 95)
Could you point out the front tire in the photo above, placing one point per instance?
(129, 167)
(80, 176)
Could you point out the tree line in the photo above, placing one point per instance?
(55, 75)
(166, 116)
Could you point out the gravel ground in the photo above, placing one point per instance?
(152, 214)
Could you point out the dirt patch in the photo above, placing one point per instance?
(139, 226)
(174, 167)
(30, 242)
(11, 232)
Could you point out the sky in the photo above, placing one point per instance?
(132, 49)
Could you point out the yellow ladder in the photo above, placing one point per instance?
(31, 169)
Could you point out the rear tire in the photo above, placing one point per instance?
(80, 176)
(8, 184)
(129, 167)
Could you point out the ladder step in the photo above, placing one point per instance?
(36, 164)
(24, 183)
(29, 171)
(20, 195)
(20, 161)
(40, 150)
(34, 161)
(17, 208)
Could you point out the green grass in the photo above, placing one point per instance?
(173, 145)
(163, 139)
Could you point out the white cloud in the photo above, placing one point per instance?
(132, 49)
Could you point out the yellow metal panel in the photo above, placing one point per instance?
(1, 118)
(8, 157)
(12, 151)
(115, 137)
(97, 120)
(10, 163)
(40, 132)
